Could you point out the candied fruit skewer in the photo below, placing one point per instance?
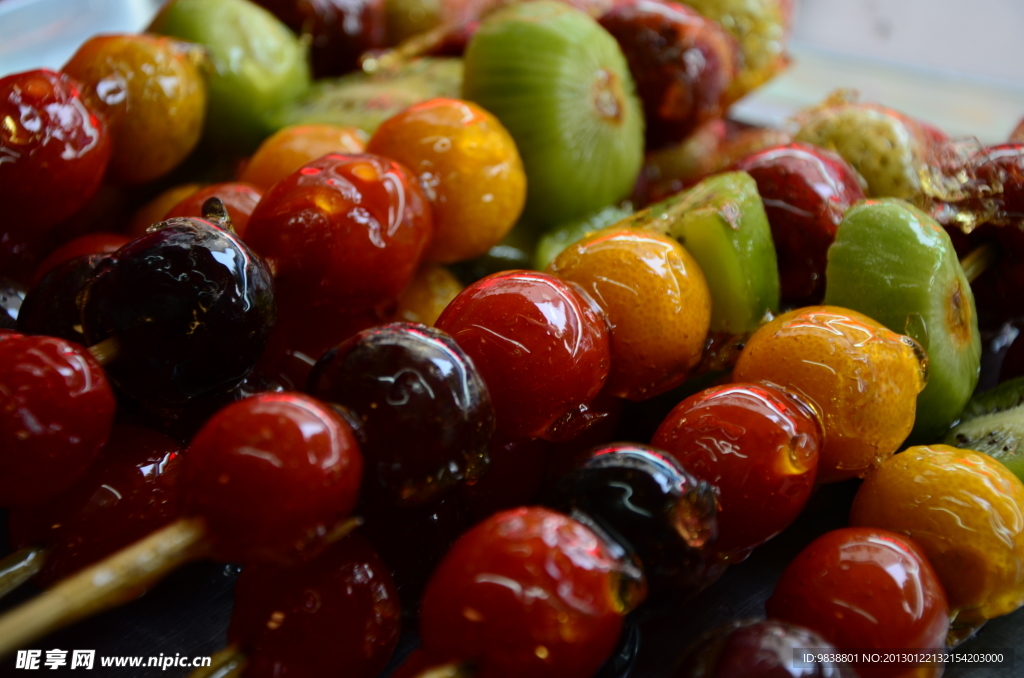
(130, 491)
(273, 631)
(232, 501)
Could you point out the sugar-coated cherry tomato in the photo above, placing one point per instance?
(290, 148)
(806, 190)
(130, 491)
(758, 445)
(54, 149)
(272, 475)
(339, 31)
(470, 170)
(239, 198)
(343, 231)
(864, 588)
(56, 410)
(153, 211)
(541, 347)
(966, 511)
(153, 95)
(335, 615)
(527, 592)
(655, 298)
(861, 378)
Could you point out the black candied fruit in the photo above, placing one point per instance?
(190, 308)
(759, 649)
(642, 499)
(426, 412)
(54, 306)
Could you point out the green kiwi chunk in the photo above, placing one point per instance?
(721, 222)
(365, 101)
(895, 264)
(993, 423)
(559, 83)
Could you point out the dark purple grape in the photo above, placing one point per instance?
(12, 295)
(759, 649)
(53, 306)
(644, 500)
(427, 415)
(190, 308)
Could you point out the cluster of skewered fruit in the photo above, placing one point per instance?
(520, 368)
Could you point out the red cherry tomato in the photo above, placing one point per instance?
(93, 243)
(528, 592)
(56, 410)
(540, 346)
(343, 231)
(335, 615)
(130, 491)
(806, 190)
(271, 475)
(54, 149)
(863, 588)
(239, 198)
(758, 445)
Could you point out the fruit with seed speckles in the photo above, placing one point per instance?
(889, 149)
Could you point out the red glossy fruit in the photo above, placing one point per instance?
(682, 63)
(271, 475)
(239, 198)
(54, 149)
(340, 31)
(528, 592)
(806, 190)
(865, 588)
(56, 410)
(93, 243)
(759, 446)
(336, 615)
(343, 231)
(540, 346)
(130, 491)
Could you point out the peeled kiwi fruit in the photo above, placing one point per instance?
(365, 101)
(993, 424)
(894, 263)
(559, 83)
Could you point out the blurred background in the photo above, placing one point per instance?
(957, 64)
